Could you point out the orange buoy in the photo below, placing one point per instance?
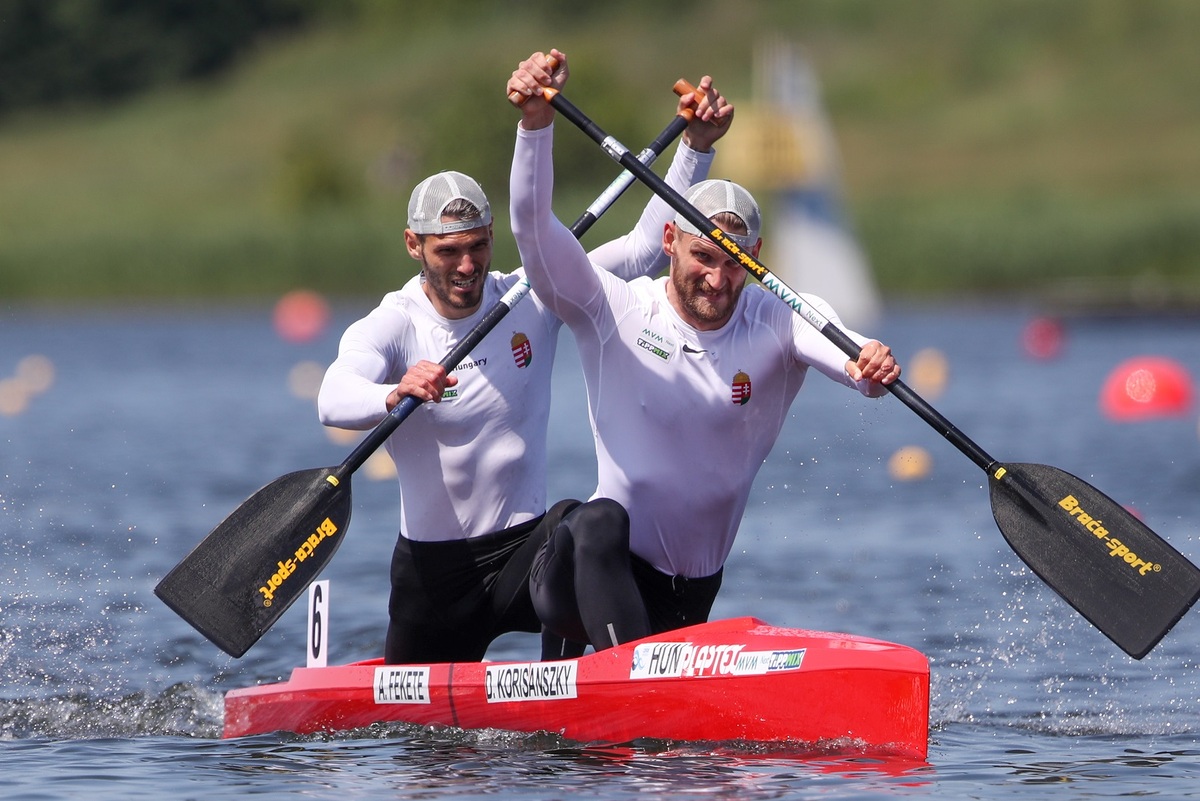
(36, 372)
(928, 372)
(14, 397)
(301, 315)
(1146, 387)
(342, 436)
(910, 463)
(379, 466)
(1042, 338)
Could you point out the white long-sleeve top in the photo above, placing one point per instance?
(682, 418)
(475, 462)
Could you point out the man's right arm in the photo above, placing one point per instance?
(355, 389)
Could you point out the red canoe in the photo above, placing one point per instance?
(730, 680)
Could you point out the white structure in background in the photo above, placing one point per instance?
(783, 150)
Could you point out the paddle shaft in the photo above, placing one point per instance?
(622, 156)
(494, 315)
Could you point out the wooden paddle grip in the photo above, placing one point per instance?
(682, 88)
(519, 99)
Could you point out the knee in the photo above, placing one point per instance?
(599, 527)
(601, 513)
(558, 511)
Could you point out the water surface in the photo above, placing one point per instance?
(160, 423)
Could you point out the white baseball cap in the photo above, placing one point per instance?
(717, 196)
(429, 200)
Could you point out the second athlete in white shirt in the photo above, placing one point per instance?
(689, 378)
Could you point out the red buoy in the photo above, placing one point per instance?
(1042, 338)
(1146, 387)
(301, 315)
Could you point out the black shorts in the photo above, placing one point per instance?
(673, 602)
(449, 600)
(588, 587)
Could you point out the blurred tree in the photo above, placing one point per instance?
(54, 52)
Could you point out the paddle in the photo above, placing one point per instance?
(246, 573)
(1125, 579)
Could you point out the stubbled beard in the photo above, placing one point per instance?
(698, 304)
(441, 286)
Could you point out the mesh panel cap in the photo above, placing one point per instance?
(715, 196)
(431, 196)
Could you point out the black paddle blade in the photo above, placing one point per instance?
(245, 574)
(1125, 579)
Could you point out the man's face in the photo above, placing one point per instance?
(705, 281)
(454, 266)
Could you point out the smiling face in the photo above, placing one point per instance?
(454, 266)
(705, 281)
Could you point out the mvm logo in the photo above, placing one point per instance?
(741, 389)
(522, 351)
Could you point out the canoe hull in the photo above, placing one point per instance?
(731, 680)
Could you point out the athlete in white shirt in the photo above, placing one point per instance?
(689, 378)
(472, 464)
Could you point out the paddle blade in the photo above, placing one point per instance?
(246, 573)
(1116, 572)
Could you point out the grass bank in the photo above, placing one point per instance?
(1018, 147)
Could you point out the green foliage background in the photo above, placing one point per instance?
(1045, 149)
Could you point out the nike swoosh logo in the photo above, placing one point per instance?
(689, 349)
